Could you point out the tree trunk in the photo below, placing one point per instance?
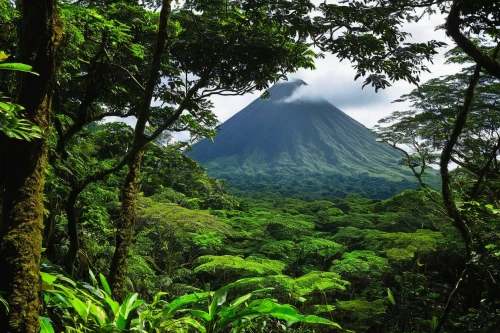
(74, 242)
(126, 227)
(459, 221)
(22, 227)
(50, 228)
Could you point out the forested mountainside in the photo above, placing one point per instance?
(107, 227)
(302, 147)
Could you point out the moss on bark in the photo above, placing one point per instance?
(24, 164)
(126, 226)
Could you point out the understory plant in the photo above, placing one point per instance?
(72, 306)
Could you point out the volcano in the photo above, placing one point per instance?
(301, 146)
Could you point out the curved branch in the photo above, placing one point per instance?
(459, 221)
(453, 30)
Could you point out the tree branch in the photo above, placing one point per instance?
(453, 30)
(459, 221)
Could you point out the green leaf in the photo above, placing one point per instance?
(3, 56)
(188, 321)
(200, 314)
(99, 314)
(5, 303)
(221, 291)
(13, 66)
(244, 298)
(186, 299)
(115, 306)
(311, 319)
(222, 299)
(105, 284)
(93, 279)
(390, 296)
(46, 325)
(48, 278)
(434, 322)
(128, 305)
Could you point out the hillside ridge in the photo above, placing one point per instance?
(278, 139)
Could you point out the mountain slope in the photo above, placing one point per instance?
(303, 146)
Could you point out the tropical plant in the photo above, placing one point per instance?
(10, 121)
(220, 315)
(83, 307)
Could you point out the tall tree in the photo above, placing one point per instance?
(454, 119)
(218, 49)
(129, 191)
(23, 168)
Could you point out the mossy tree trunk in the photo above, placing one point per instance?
(24, 164)
(126, 227)
(126, 224)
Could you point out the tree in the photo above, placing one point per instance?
(466, 21)
(456, 117)
(248, 50)
(23, 164)
(469, 19)
(369, 35)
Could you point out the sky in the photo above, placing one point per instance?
(334, 81)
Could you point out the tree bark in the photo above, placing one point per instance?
(74, 241)
(126, 227)
(22, 227)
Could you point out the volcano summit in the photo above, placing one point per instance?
(301, 146)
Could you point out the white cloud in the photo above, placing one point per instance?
(334, 81)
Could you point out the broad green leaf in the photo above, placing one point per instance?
(115, 306)
(93, 279)
(94, 291)
(128, 305)
(46, 325)
(184, 322)
(200, 314)
(186, 299)
(48, 278)
(221, 291)
(13, 66)
(57, 294)
(99, 314)
(105, 284)
(311, 319)
(222, 298)
(80, 307)
(434, 322)
(244, 298)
